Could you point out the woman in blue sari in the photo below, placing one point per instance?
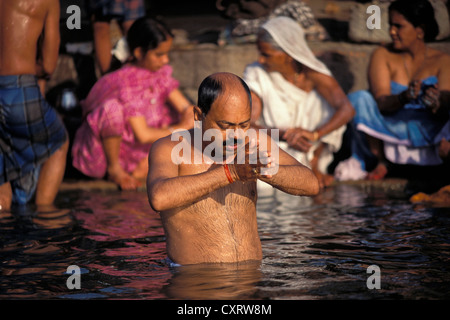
(403, 117)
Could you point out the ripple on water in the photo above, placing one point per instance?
(314, 248)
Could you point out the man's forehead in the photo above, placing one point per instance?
(233, 123)
(231, 110)
(232, 95)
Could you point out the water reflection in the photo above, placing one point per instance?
(227, 281)
(41, 217)
(129, 221)
(313, 248)
(32, 254)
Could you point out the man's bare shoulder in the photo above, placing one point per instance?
(30, 8)
(172, 140)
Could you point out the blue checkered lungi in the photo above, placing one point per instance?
(30, 132)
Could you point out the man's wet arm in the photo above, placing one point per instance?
(174, 192)
(294, 179)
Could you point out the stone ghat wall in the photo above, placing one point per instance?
(347, 61)
(192, 63)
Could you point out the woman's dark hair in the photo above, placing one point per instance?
(211, 88)
(147, 33)
(419, 13)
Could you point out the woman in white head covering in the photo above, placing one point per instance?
(296, 93)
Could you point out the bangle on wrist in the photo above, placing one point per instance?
(228, 173)
(315, 135)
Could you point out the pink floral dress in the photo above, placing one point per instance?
(127, 92)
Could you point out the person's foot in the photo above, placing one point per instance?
(124, 180)
(141, 171)
(444, 149)
(378, 173)
(325, 180)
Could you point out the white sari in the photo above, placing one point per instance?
(286, 106)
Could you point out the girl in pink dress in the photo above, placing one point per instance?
(129, 109)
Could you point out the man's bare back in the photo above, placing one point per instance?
(21, 24)
(29, 45)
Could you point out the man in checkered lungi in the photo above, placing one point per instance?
(33, 139)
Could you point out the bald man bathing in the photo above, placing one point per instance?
(208, 208)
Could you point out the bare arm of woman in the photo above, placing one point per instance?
(184, 107)
(257, 108)
(332, 92)
(380, 83)
(437, 97)
(146, 134)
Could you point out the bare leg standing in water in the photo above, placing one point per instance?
(33, 137)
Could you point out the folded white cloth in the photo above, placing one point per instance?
(350, 169)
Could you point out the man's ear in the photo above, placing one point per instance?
(198, 114)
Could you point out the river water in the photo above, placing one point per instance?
(314, 248)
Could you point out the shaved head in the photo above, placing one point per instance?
(217, 84)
